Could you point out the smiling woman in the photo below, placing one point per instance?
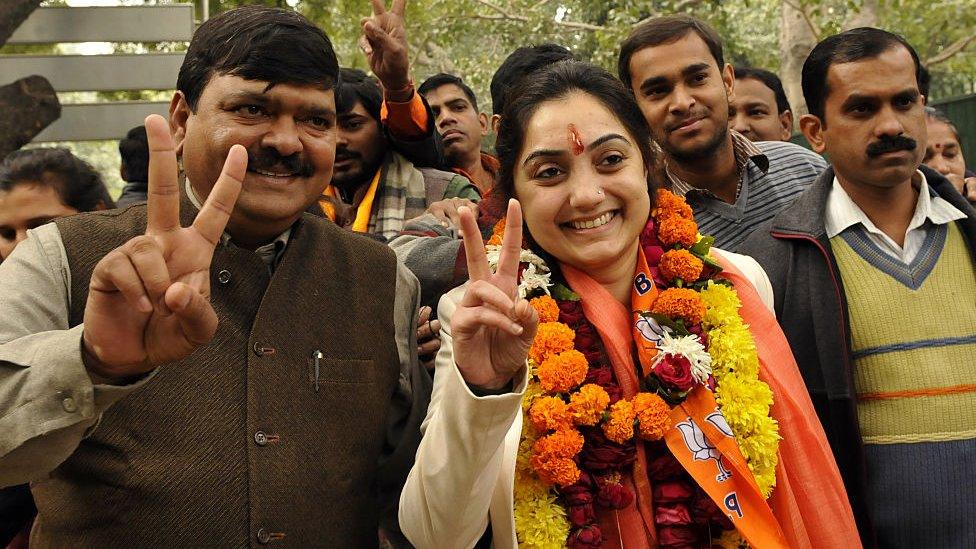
(537, 386)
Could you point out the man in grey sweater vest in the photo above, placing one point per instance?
(217, 367)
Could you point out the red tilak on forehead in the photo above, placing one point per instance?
(576, 140)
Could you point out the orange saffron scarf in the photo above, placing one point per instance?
(809, 502)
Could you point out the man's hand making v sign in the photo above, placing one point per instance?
(149, 299)
(384, 41)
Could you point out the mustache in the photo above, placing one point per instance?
(891, 144)
(342, 153)
(694, 114)
(269, 160)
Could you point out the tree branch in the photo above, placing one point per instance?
(505, 16)
(951, 50)
(814, 28)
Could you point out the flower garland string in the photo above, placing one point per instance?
(580, 436)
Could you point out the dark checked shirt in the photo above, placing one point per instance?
(772, 174)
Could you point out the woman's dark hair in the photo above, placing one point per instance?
(78, 184)
(271, 45)
(518, 65)
(553, 83)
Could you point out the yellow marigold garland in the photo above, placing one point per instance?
(744, 398)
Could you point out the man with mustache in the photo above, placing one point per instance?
(217, 367)
(375, 188)
(676, 69)
(874, 278)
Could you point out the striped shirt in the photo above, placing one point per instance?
(772, 175)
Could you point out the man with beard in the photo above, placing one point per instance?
(761, 110)
(216, 368)
(375, 188)
(676, 69)
(874, 278)
(462, 127)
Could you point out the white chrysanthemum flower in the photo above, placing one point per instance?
(536, 275)
(532, 279)
(493, 252)
(689, 347)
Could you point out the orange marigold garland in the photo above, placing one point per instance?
(671, 205)
(560, 408)
(653, 415)
(497, 233)
(620, 427)
(551, 338)
(550, 414)
(680, 303)
(547, 308)
(553, 454)
(588, 404)
(678, 230)
(681, 264)
(563, 372)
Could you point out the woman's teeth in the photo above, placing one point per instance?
(593, 223)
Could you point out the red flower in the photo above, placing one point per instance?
(580, 515)
(589, 537)
(601, 454)
(677, 536)
(587, 341)
(578, 494)
(672, 514)
(648, 236)
(600, 376)
(706, 511)
(665, 467)
(653, 254)
(570, 313)
(675, 490)
(675, 371)
(612, 494)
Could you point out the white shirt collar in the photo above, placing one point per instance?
(270, 253)
(842, 212)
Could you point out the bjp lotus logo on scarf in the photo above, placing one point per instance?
(700, 447)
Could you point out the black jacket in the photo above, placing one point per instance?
(812, 309)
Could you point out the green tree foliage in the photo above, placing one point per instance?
(472, 37)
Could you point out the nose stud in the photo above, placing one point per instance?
(599, 192)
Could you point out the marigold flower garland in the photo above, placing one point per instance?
(580, 435)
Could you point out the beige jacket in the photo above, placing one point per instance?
(465, 467)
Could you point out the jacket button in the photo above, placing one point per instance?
(264, 537)
(68, 402)
(223, 276)
(69, 405)
(260, 438)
